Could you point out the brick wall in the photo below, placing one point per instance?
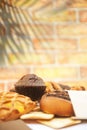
(50, 41)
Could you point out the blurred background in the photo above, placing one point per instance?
(44, 37)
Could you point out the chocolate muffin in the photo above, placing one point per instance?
(31, 85)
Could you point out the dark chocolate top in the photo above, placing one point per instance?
(59, 94)
(30, 80)
(64, 87)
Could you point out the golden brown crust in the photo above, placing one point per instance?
(49, 87)
(78, 88)
(12, 105)
(56, 86)
(52, 86)
(57, 106)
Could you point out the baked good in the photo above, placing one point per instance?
(37, 115)
(31, 85)
(58, 103)
(64, 87)
(13, 105)
(53, 86)
(78, 88)
(49, 87)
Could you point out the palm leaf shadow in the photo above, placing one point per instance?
(5, 42)
(8, 23)
(13, 28)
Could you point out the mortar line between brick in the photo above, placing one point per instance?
(78, 44)
(77, 16)
(79, 73)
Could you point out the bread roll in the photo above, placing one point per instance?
(57, 103)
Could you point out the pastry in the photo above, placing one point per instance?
(30, 85)
(37, 115)
(53, 86)
(77, 88)
(58, 103)
(13, 105)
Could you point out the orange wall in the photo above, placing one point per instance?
(53, 46)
